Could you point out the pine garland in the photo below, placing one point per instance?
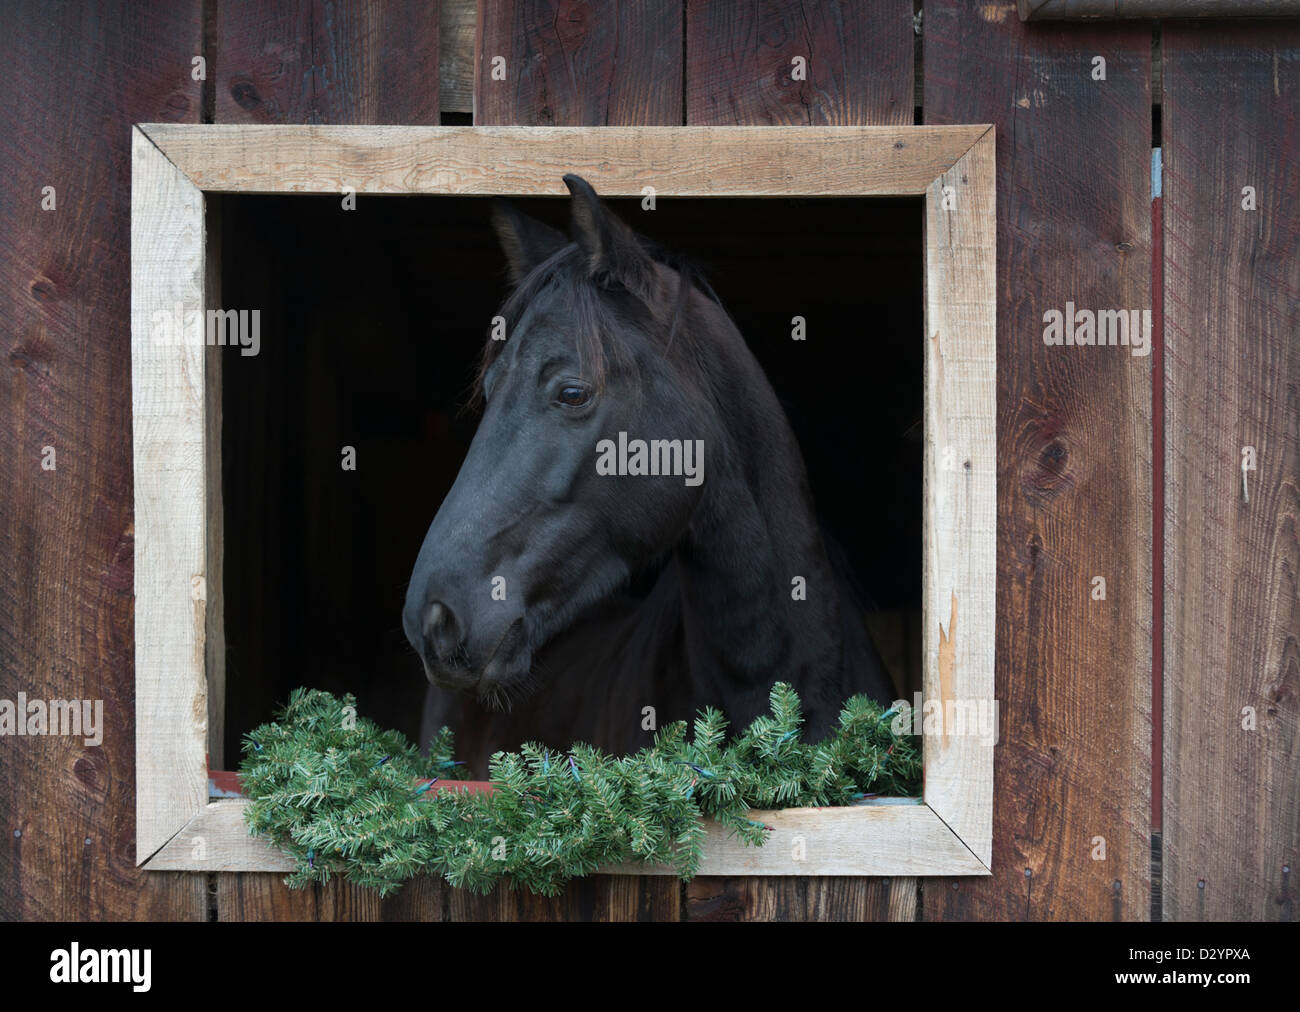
(343, 796)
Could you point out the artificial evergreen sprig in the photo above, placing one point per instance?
(343, 796)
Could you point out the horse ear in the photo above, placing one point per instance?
(612, 249)
(526, 241)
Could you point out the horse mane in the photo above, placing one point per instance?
(596, 333)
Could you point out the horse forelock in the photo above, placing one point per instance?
(591, 317)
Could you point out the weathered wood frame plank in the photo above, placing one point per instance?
(958, 603)
(948, 832)
(488, 161)
(168, 410)
(1043, 10)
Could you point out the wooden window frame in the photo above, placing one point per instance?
(179, 651)
(1095, 10)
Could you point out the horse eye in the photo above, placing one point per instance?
(574, 395)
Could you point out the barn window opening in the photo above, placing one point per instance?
(372, 325)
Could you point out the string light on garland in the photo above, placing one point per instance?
(341, 796)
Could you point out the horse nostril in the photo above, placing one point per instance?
(441, 630)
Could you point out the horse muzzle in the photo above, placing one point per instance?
(451, 660)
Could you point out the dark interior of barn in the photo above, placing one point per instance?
(372, 321)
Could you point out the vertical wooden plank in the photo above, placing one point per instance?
(742, 62)
(604, 898)
(458, 28)
(419, 900)
(577, 902)
(339, 900)
(578, 63)
(638, 898)
(740, 71)
(262, 58)
(337, 62)
(781, 898)
(1232, 292)
(77, 78)
(327, 61)
(260, 896)
(1158, 422)
(264, 897)
(1074, 459)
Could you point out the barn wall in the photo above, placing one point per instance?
(1077, 476)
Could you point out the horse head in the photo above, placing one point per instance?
(535, 531)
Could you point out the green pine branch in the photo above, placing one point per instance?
(343, 796)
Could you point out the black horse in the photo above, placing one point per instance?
(560, 591)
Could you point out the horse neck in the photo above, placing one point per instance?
(753, 533)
